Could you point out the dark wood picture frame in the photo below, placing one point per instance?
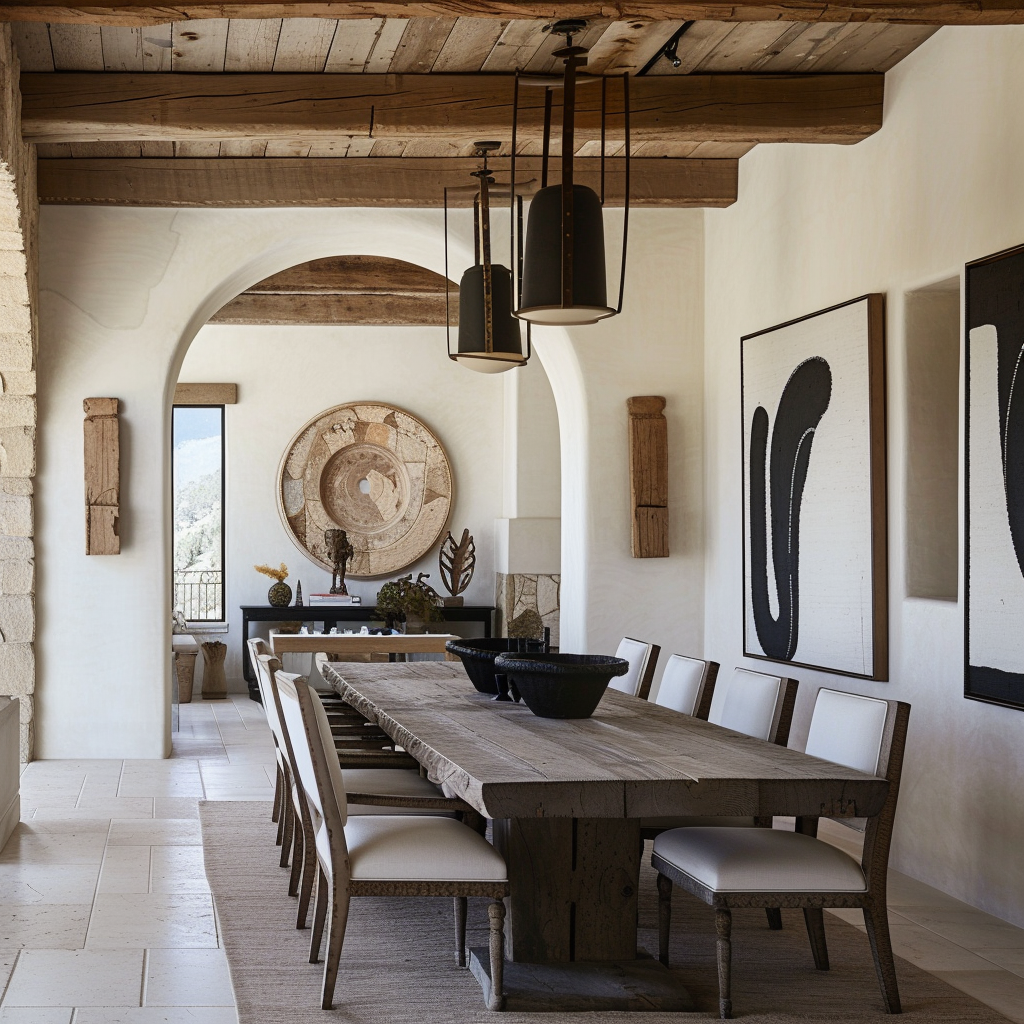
(999, 300)
(878, 498)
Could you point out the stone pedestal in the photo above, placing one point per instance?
(215, 685)
(185, 670)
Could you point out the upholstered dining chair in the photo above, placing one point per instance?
(735, 867)
(643, 660)
(688, 685)
(383, 855)
(373, 791)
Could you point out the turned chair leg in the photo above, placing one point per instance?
(461, 906)
(335, 940)
(774, 915)
(316, 934)
(664, 916)
(496, 915)
(876, 920)
(814, 918)
(723, 925)
(308, 859)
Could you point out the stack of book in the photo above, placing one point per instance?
(334, 599)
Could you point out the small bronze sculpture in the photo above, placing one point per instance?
(457, 562)
(339, 551)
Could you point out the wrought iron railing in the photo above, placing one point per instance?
(199, 593)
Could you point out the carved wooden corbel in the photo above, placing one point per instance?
(648, 475)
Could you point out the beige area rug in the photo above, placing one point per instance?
(398, 964)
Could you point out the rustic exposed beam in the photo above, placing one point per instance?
(205, 394)
(82, 107)
(145, 12)
(369, 291)
(351, 181)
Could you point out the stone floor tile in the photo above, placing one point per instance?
(43, 926)
(8, 957)
(37, 847)
(178, 869)
(152, 920)
(126, 869)
(80, 977)
(1001, 990)
(1011, 960)
(97, 808)
(157, 1015)
(250, 753)
(188, 977)
(240, 792)
(27, 884)
(176, 807)
(235, 775)
(932, 952)
(36, 1014)
(972, 929)
(156, 832)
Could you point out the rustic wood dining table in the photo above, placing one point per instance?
(566, 798)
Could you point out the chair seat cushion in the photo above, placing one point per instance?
(388, 782)
(420, 849)
(759, 860)
(669, 821)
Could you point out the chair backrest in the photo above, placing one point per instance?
(755, 704)
(869, 734)
(259, 647)
(688, 685)
(318, 766)
(643, 659)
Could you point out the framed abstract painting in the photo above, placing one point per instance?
(994, 480)
(815, 573)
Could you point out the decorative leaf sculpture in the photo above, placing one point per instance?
(457, 562)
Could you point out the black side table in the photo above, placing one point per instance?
(333, 614)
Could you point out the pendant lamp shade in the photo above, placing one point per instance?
(544, 299)
(506, 349)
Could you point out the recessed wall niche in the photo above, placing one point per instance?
(932, 333)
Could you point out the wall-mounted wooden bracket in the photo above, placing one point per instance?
(648, 475)
(102, 477)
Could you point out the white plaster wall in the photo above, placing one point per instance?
(288, 375)
(124, 292)
(938, 186)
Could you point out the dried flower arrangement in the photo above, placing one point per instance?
(275, 574)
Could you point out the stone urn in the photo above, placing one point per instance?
(185, 670)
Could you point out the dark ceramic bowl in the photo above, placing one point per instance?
(561, 685)
(478, 658)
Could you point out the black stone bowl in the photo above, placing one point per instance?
(478, 658)
(561, 685)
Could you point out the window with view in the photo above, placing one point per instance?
(198, 489)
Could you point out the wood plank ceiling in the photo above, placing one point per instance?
(450, 45)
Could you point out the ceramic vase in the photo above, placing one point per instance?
(279, 595)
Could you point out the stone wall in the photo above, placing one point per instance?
(18, 219)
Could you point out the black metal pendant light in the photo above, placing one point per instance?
(490, 338)
(563, 274)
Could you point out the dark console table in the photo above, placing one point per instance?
(333, 614)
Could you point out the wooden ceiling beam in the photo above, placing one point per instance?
(911, 12)
(83, 107)
(357, 181)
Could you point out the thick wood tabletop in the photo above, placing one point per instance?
(359, 643)
(632, 759)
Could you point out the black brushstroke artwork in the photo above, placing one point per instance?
(996, 297)
(804, 401)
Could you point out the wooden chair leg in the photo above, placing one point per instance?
(496, 916)
(308, 876)
(876, 921)
(723, 925)
(814, 918)
(335, 940)
(299, 840)
(319, 915)
(461, 906)
(774, 918)
(275, 815)
(287, 833)
(664, 916)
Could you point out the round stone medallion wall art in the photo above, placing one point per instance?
(373, 470)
